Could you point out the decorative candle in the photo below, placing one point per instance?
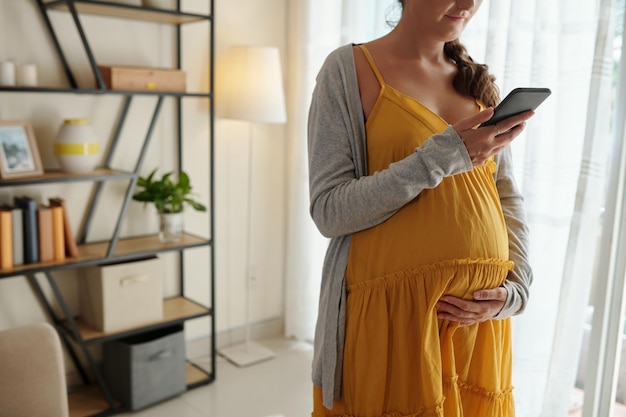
(7, 73)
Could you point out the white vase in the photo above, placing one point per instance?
(76, 146)
(171, 227)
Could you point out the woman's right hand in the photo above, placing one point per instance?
(483, 142)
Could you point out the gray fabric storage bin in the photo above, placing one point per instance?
(145, 369)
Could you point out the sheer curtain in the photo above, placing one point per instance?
(560, 163)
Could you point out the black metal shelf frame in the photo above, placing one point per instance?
(91, 91)
(129, 11)
(67, 328)
(66, 324)
(71, 6)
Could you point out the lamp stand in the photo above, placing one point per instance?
(249, 352)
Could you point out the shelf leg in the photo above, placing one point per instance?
(212, 181)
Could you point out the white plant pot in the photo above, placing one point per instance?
(171, 227)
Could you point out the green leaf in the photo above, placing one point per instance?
(195, 204)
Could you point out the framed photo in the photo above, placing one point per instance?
(19, 156)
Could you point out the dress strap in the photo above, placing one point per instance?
(372, 64)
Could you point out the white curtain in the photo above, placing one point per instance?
(560, 163)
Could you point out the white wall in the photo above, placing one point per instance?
(23, 39)
(263, 23)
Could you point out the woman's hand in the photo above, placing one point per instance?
(485, 305)
(483, 142)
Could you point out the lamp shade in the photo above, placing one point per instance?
(253, 86)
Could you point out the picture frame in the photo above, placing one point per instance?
(19, 155)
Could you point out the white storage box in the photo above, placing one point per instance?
(122, 296)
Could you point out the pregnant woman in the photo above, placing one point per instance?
(428, 252)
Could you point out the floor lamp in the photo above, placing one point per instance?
(252, 91)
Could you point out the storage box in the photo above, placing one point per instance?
(121, 296)
(145, 369)
(143, 79)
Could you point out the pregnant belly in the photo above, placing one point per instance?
(427, 231)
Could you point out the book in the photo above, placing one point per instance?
(29, 227)
(18, 235)
(17, 239)
(46, 233)
(71, 250)
(6, 239)
(58, 233)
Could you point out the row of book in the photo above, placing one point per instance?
(31, 232)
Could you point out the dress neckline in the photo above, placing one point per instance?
(384, 86)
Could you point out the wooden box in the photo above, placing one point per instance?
(126, 78)
(122, 296)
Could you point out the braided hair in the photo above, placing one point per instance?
(472, 79)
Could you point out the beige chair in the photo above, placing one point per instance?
(32, 374)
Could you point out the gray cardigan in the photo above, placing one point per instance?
(345, 200)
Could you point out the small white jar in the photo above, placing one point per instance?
(7, 73)
(27, 75)
(76, 146)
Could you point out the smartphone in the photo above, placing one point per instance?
(518, 101)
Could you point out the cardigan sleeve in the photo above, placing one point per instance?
(520, 278)
(345, 201)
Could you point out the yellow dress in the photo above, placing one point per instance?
(399, 358)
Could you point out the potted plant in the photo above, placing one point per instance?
(170, 199)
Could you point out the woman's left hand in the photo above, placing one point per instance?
(485, 305)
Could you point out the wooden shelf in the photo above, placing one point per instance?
(135, 247)
(197, 376)
(96, 253)
(103, 8)
(175, 310)
(56, 176)
(89, 400)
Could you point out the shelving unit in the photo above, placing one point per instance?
(94, 397)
